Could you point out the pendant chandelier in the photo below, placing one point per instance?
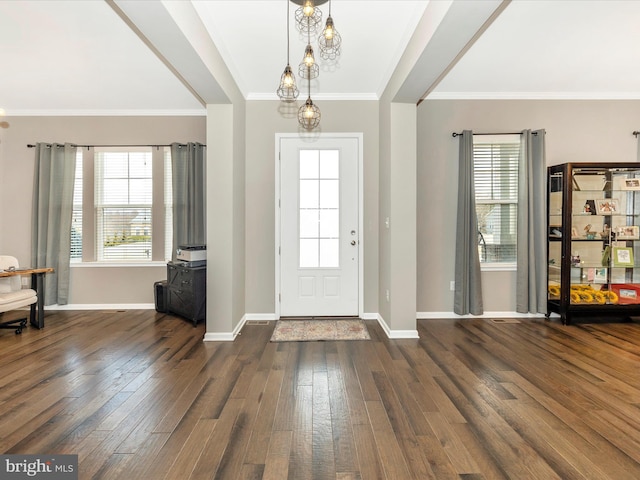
(308, 20)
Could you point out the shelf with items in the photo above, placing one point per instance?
(594, 227)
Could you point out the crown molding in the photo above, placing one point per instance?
(317, 96)
(104, 113)
(533, 96)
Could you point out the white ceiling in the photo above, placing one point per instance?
(81, 57)
(553, 49)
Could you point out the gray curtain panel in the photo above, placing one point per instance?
(54, 174)
(531, 281)
(189, 178)
(468, 281)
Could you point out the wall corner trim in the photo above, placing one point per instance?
(226, 336)
(396, 334)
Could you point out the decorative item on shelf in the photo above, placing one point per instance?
(627, 232)
(589, 207)
(606, 231)
(587, 294)
(622, 257)
(610, 296)
(588, 233)
(607, 206)
(606, 256)
(631, 184)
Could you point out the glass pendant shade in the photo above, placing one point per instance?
(330, 41)
(288, 91)
(309, 115)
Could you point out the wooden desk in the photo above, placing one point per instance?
(36, 316)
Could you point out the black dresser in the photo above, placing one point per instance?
(187, 291)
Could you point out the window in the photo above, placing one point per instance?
(130, 215)
(123, 202)
(496, 190)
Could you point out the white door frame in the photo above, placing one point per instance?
(310, 140)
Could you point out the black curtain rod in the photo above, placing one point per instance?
(454, 134)
(636, 133)
(29, 145)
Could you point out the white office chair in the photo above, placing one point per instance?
(12, 295)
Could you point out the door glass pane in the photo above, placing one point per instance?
(329, 253)
(309, 194)
(308, 253)
(309, 161)
(329, 165)
(329, 224)
(329, 194)
(309, 223)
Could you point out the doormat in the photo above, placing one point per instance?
(318, 330)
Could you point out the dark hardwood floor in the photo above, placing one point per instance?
(138, 395)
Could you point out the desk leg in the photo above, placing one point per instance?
(36, 316)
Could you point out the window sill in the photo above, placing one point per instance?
(117, 264)
(498, 267)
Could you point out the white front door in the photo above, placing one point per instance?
(319, 226)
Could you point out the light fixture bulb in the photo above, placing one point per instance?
(308, 68)
(309, 60)
(309, 115)
(288, 79)
(328, 29)
(308, 8)
(288, 91)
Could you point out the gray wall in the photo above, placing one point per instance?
(88, 285)
(577, 131)
(263, 121)
(590, 131)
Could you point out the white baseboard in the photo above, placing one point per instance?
(449, 315)
(396, 334)
(226, 336)
(219, 337)
(102, 306)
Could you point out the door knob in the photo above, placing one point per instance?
(353, 242)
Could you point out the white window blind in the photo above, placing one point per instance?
(496, 192)
(123, 203)
(168, 205)
(76, 219)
